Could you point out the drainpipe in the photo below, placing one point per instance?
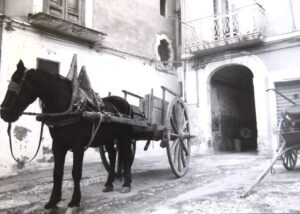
(197, 87)
(184, 80)
(293, 17)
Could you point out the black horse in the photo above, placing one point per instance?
(55, 92)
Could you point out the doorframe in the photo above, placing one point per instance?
(260, 83)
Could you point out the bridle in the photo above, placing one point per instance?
(16, 89)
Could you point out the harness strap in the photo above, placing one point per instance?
(94, 129)
(22, 163)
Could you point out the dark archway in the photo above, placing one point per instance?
(233, 109)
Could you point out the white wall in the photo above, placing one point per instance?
(275, 24)
(108, 73)
(278, 24)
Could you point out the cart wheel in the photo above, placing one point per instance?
(289, 159)
(105, 159)
(178, 137)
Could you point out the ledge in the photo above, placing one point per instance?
(65, 28)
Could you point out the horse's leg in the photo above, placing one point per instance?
(59, 155)
(126, 159)
(112, 160)
(78, 154)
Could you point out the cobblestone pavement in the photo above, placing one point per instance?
(212, 185)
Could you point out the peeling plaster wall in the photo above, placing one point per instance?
(133, 26)
(107, 73)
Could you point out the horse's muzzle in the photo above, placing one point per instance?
(8, 115)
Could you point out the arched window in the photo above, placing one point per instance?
(164, 51)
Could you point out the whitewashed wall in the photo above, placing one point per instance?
(108, 73)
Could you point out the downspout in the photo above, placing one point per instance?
(183, 18)
(184, 80)
(197, 87)
(293, 17)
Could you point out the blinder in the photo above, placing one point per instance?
(16, 87)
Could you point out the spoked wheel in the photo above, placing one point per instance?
(118, 166)
(289, 159)
(178, 137)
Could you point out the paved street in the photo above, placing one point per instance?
(212, 185)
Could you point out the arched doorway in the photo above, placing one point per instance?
(233, 109)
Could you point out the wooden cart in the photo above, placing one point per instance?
(158, 120)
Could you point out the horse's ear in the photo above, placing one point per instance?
(20, 65)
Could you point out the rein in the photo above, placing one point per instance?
(22, 163)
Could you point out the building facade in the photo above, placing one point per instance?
(235, 51)
(123, 44)
(227, 54)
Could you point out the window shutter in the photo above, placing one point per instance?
(56, 8)
(73, 10)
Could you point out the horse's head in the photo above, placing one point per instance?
(19, 95)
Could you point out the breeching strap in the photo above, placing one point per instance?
(22, 163)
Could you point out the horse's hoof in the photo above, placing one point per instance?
(125, 190)
(108, 189)
(50, 205)
(74, 204)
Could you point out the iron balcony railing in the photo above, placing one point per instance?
(238, 26)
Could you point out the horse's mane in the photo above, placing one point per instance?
(48, 74)
(52, 83)
(44, 74)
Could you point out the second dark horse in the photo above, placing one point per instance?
(56, 93)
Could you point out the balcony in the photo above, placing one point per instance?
(238, 28)
(65, 28)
